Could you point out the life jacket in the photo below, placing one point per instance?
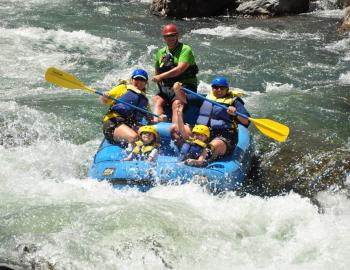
(192, 149)
(216, 117)
(142, 151)
(168, 63)
(132, 96)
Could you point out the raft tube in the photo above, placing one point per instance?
(225, 174)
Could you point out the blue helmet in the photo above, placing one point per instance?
(139, 73)
(219, 81)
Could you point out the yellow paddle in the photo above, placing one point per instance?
(67, 80)
(268, 127)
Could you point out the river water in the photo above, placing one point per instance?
(295, 70)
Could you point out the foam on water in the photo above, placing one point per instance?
(32, 145)
(275, 86)
(109, 80)
(78, 223)
(15, 6)
(252, 32)
(88, 224)
(344, 78)
(339, 46)
(330, 13)
(104, 10)
(28, 45)
(75, 222)
(21, 125)
(342, 46)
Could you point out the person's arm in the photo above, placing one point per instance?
(198, 162)
(153, 155)
(129, 157)
(150, 118)
(162, 118)
(116, 92)
(180, 94)
(176, 71)
(180, 122)
(239, 107)
(104, 98)
(186, 59)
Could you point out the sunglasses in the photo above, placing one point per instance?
(170, 35)
(139, 79)
(219, 87)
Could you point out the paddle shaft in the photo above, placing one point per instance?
(214, 102)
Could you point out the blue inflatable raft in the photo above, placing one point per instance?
(228, 173)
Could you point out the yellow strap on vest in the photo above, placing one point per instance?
(135, 89)
(228, 99)
(122, 81)
(110, 116)
(237, 92)
(198, 142)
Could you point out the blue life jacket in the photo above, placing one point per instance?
(191, 149)
(216, 117)
(135, 97)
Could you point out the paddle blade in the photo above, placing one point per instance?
(271, 128)
(62, 78)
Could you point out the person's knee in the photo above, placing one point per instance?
(174, 131)
(158, 101)
(132, 138)
(173, 128)
(176, 104)
(219, 147)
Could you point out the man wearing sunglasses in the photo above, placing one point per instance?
(222, 121)
(174, 63)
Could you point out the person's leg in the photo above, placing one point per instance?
(158, 103)
(124, 133)
(174, 107)
(177, 137)
(219, 148)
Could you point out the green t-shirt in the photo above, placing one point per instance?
(182, 54)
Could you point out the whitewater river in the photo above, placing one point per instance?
(295, 70)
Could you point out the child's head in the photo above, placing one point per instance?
(148, 134)
(201, 132)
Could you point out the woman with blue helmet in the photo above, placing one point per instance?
(222, 123)
(121, 122)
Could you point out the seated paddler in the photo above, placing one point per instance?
(121, 122)
(222, 122)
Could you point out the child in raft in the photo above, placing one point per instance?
(195, 149)
(147, 147)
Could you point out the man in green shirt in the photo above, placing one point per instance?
(174, 63)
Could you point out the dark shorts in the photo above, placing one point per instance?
(228, 136)
(168, 94)
(110, 125)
